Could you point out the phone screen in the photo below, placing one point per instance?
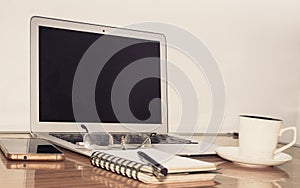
(41, 146)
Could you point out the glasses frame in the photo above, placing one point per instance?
(89, 138)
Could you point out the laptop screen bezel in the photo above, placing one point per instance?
(37, 126)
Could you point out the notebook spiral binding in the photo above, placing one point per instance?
(115, 164)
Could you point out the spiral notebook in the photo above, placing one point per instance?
(109, 179)
(127, 163)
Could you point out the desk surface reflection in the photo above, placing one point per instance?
(76, 171)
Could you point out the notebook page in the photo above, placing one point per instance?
(175, 164)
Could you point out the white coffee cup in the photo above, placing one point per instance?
(258, 136)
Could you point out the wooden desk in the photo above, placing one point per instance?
(76, 171)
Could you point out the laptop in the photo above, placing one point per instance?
(95, 78)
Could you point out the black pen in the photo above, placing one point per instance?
(158, 169)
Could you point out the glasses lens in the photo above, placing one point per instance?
(136, 141)
(98, 140)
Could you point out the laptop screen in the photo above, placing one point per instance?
(60, 51)
(96, 75)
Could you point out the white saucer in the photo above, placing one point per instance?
(232, 154)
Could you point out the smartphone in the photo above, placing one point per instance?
(30, 149)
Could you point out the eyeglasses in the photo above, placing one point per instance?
(104, 140)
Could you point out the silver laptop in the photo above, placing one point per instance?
(100, 78)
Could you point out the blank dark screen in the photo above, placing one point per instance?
(60, 51)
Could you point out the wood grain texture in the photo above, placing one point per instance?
(76, 171)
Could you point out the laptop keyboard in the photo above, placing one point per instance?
(168, 139)
(155, 138)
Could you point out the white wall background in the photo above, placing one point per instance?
(256, 45)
